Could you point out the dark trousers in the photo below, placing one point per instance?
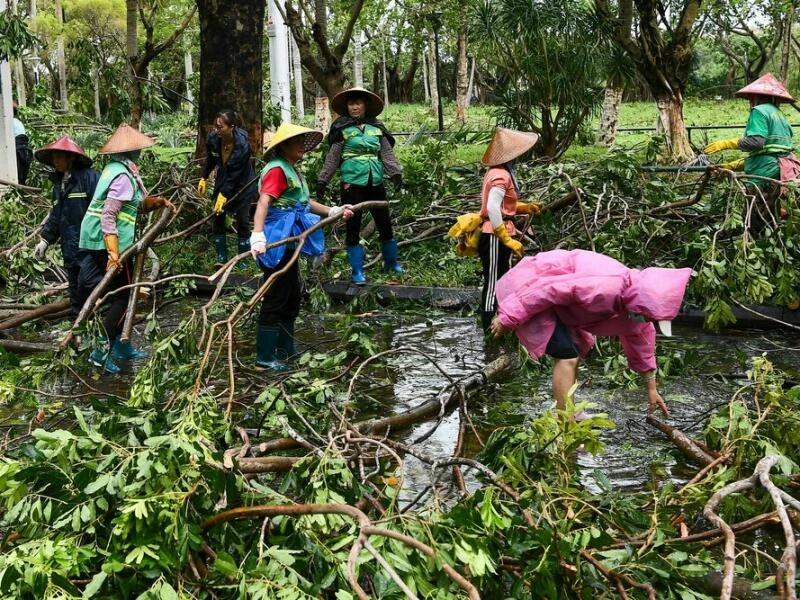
(282, 300)
(73, 274)
(241, 219)
(92, 270)
(355, 194)
(495, 261)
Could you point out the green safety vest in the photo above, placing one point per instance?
(361, 155)
(768, 121)
(297, 190)
(91, 231)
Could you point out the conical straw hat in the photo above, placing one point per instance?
(289, 130)
(126, 139)
(63, 144)
(508, 144)
(766, 85)
(374, 102)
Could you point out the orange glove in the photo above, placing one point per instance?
(112, 247)
(529, 208)
(154, 202)
(502, 234)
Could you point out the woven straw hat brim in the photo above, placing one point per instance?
(288, 131)
(374, 102)
(766, 85)
(126, 139)
(508, 144)
(63, 144)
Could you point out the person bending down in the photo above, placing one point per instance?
(556, 302)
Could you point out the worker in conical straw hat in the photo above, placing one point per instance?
(767, 137)
(361, 148)
(108, 229)
(285, 209)
(74, 183)
(489, 233)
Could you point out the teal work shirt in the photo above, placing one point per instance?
(361, 163)
(767, 121)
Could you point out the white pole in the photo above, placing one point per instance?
(279, 61)
(358, 67)
(8, 151)
(188, 70)
(298, 78)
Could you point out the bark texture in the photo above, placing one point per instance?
(609, 118)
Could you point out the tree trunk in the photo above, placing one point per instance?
(188, 70)
(609, 117)
(226, 83)
(322, 112)
(19, 70)
(462, 76)
(385, 78)
(298, 78)
(132, 52)
(425, 76)
(96, 85)
(787, 44)
(670, 122)
(358, 64)
(432, 78)
(61, 59)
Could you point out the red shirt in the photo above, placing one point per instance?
(274, 183)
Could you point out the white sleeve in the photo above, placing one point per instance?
(496, 195)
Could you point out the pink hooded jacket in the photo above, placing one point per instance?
(592, 294)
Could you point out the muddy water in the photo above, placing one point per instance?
(636, 455)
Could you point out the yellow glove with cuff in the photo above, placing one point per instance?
(529, 208)
(112, 248)
(719, 146)
(221, 200)
(202, 186)
(734, 165)
(502, 234)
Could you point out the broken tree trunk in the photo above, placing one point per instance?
(30, 315)
(690, 448)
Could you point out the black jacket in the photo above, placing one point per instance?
(236, 173)
(69, 206)
(24, 157)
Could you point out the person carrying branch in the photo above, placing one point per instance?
(500, 203)
(107, 230)
(361, 148)
(228, 151)
(285, 210)
(556, 302)
(767, 137)
(74, 183)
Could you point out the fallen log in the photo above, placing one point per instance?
(742, 588)
(19, 346)
(690, 448)
(30, 315)
(267, 464)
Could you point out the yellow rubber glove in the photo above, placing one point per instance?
(721, 145)
(734, 165)
(221, 200)
(502, 234)
(112, 247)
(529, 208)
(202, 186)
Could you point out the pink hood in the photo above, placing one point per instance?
(592, 294)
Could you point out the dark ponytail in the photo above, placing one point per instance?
(231, 117)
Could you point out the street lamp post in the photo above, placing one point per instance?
(436, 23)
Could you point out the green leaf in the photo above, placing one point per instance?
(226, 565)
(95, 584)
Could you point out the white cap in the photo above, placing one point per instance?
(665, 327)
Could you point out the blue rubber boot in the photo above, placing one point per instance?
(242, 246)
(389, 251)
(355, 255)
(286, 349)
(266, 348)
(221, 246)
(100, 357)
(126, 351)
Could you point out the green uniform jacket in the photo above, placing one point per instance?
(91, 231)
(297, 190)
(768, 121)
(360, 155)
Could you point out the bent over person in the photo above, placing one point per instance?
(107, 230)
(557, 302)
(74, 183)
